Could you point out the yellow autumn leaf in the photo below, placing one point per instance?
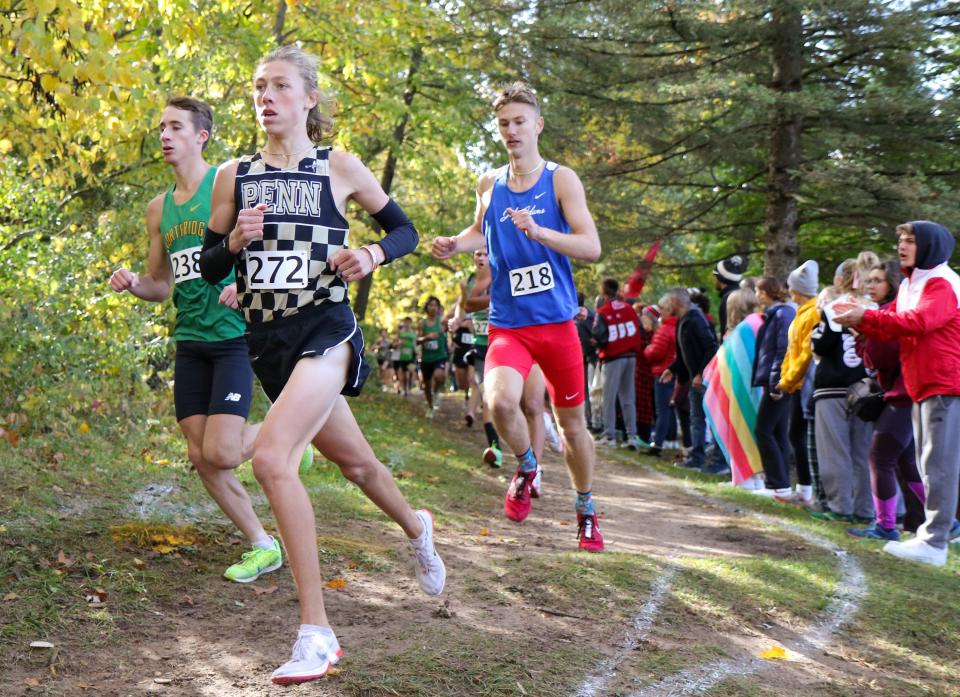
(484, 532)
(776, 653)
(84, 427)
(336, 584)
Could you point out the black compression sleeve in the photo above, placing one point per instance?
(216, 261)
(401, 237)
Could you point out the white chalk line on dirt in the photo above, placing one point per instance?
(642, 623)
(844, 603)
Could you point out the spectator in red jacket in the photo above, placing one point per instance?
(617, 331)
(926, 320)
(660, 354)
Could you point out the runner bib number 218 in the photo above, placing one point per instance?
(531, 279)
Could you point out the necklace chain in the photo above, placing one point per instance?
(291, 156)
(523, 174)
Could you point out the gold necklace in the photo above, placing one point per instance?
(289, 157)
(517, 175)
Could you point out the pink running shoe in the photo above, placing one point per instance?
(589, 533)
(523, 487)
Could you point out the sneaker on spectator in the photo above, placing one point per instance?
(752, 483)
(917, 550)
(954, 534)
(793, 499)
(637, 443)
(653, 451)
(875, 532)
(722, 469)
(606, 442)
(773, 493)
(829, 516)
(687, 464)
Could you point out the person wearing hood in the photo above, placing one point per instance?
(926, 320)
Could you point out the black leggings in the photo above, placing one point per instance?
(798, 439)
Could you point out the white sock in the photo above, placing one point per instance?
(419, 541)
(805, 490)
(265, 542)
(316, 629)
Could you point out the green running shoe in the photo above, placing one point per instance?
(493, 456)
(255, 563)
(306, 460)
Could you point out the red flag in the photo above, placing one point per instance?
(634, 285)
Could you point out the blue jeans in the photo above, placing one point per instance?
(698, 426)
(662, 393)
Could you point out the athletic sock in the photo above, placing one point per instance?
(527, 460)
(493, 440)
(265, 542)
(316, 629)
(585, 503)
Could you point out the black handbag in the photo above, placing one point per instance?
(865, 399)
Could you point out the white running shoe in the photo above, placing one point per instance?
(553, 438)
(917, 550)
(607, 442)
(311, 658)
(431, 573)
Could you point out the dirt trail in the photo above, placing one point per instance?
(226, 640)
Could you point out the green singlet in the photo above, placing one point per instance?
(408, 346)
(200, 316)
(481, 324)
(434, 349)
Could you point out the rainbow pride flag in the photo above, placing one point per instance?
(731, 403)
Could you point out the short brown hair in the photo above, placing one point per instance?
(516, 92)
(201, 115)
(772, 287)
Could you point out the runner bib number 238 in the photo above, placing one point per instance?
(185, 264)
(531, 279)
(277, 270)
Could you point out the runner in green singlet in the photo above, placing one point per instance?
(408, 354)
(432, 338)
(213, 381)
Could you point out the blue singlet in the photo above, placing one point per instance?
(532, 284)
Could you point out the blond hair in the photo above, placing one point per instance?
(517, 91)
(740, 304)
(855, 272)
(319, 124)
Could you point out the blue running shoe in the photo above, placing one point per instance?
(875, 532)
(954, 534)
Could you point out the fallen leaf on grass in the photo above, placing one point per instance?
(333, 672)
(31, 682)
(187, 599)
(484, 532)
(776, 653)
(336, 584)
(10, 597)
(85, 686)
(63, 559)
(41, 645)
(84, 427)
(351, 565)
(403, 474)
(139, 563)
(96, 597)
(264, 591)
(564, 522)
(163, 681)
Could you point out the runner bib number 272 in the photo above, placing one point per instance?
(531, 279)
(277, 270)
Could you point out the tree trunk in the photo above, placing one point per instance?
(281, 18)
(783, 180)
(362, 297)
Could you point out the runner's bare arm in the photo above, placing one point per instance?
(223, 241)
(479, 296)
(350, 178)
(471, 238)
(583, 242)
(154, 285)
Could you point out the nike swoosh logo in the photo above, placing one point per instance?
(540, 195)
(194, 208)
(571, 396)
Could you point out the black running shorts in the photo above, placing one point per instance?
(276, 346)
(212, 377)
(427, 369)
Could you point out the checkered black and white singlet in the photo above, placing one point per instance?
(301, 223)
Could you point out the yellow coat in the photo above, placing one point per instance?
(798, 355)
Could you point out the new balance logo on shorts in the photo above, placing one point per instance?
(232, 397)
